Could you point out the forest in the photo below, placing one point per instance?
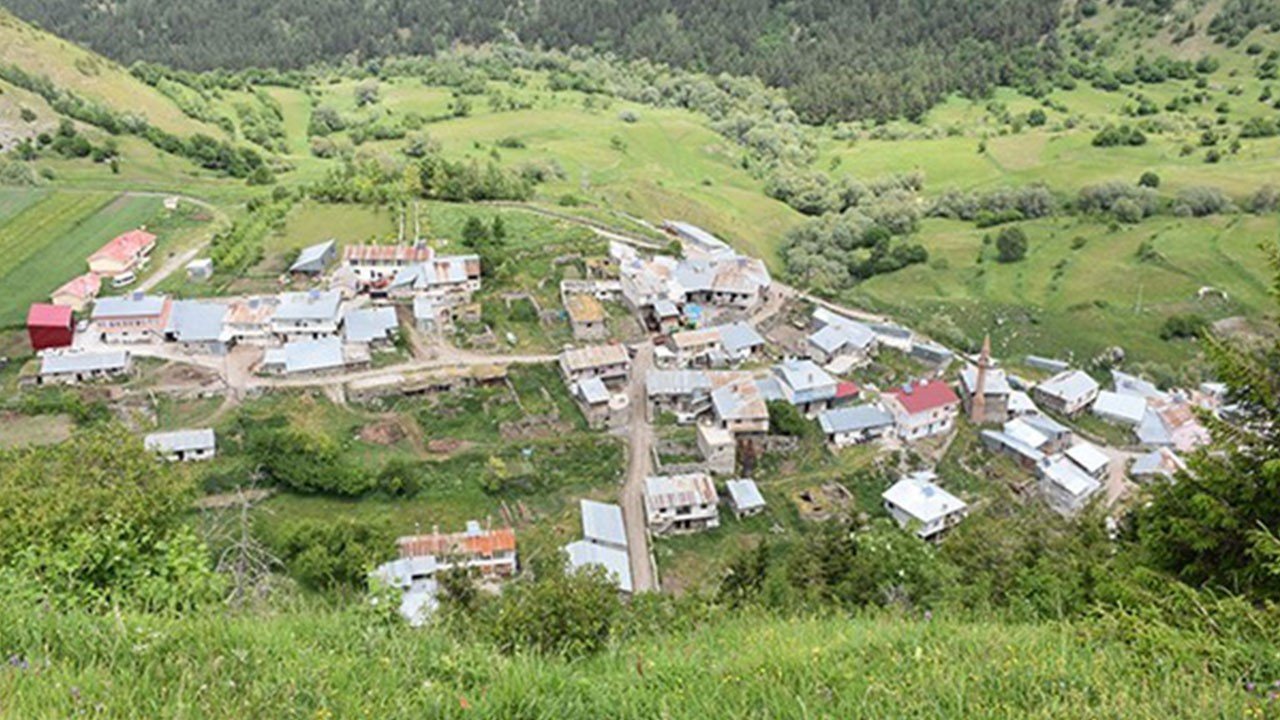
(837, 59)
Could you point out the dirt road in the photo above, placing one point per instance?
(644, 577)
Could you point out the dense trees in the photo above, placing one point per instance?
(838, 59)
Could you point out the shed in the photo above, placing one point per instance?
(745, 497)
(200, 269)
(313, 259)
(49, 326)
(183, 445)
(602, 524)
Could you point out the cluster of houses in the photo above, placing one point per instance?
(689, 502)
(120, 259)
(489, 553)
(305, 332)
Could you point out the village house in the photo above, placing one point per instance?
(49, 326)
(183, 445)
(922, 409)
(199, 327)
(312, 357)
(1065, 486)
(374, 263)
(312, 260)
(452, 279)
(1172, 423)
(718, 448)
(838, 337)
(132, 318)
(375, 327)
(1069, 393)
(745, 497)
(856, 425)
(489, 553)
(1029, 439)
(309, 315)
(587, 317)
(602, 290)
(200, 269)
(603, 543)
(70, 367)
(249, 320)
(432, 316)
(893, 336)
(1089, 458)
(124, 253)
(984, 390)
(809, 388)
(681, 503)
(917, 503)
(739, 406)
(718, 346)
(609, 363)
(78, 292)
(719, 278)
(1118, 408)
(1161, 463)
(602, 409)
(683, 393)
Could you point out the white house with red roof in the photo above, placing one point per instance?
(123, 253)
(78, 292)
(922, 409)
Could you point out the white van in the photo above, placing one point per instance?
(124, 279)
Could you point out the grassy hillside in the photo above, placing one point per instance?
(90, 75)
(340, 665)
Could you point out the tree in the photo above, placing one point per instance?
(557, 613)
(1214, 524)
(366, 92)
(1149, 180)
(1011, 245)
(474, 234)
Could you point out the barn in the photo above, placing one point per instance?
(49, 326)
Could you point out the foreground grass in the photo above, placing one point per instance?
(323, 664)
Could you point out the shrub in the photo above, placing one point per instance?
(1149, 180)
(1178, 327)
(1011, 245)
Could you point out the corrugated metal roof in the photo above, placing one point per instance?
(1070, 386)
(671, 491)
(739, 336)
(133, 305)
(918, 496)
(593, 391)
(180, 440)
(595, 356)
(311, 305)
(744, 494)
(79, 362)
(313, 355)
(313, 257)
(602, 522)
(195, 321)
(860, 417)
(369, 324)
(1124, 408)
(616, 563)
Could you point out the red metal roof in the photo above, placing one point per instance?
(85, 287)
(124, 248)
(42, 315)
(924, 396)
(846, 389)
(387, 253)
(483, 544)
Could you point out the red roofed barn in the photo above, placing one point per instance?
(49, 326)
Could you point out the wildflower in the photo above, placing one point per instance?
(463, 703)
(19, 662)
(1249, 686)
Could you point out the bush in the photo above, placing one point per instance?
(571, 614)
(786, 419)
(1178, 327)
(1113, 135)
(1200, 201)
(334, 553)
(1011, 245)
(1149, 180)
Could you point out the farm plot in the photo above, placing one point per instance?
(46, 244)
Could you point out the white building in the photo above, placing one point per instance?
(370, 326)
(922, 409)
(1118, 408)
(308, 315)
(745, 497)
(1090, 459)
(69, 367)
(681, 503)
(856, 425)
(1070, 392)
(183, 445)
(918, 503)
(1066, 487)
(837, 336)
(604, 543)
(610, 363)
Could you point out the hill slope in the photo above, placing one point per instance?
(346, 665)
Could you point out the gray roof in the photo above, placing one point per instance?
(1115, 406)
(133, 305)
(744, 494)
(1070, 385)
(802, 375)
(696, 234)
(1126, 384)
(739, 336)
(602, 522)
(369, 324)
(312, 259)
(1152, 430)
(770, 389)
(78, 362)
(312, 305)
(194, 321)
(665, 309)
(1046, 425)
(615, 561)
(997, 382)
(180, 440)
(739, 400)
(891, 330)
(593, 391)
(1015, 444)
(1050, 364)
(1161, 461)
(838, 331)
(850, 419)
(311, 355)
(1068, 476)
(676, 382)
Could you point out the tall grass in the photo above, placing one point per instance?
(327, 664)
